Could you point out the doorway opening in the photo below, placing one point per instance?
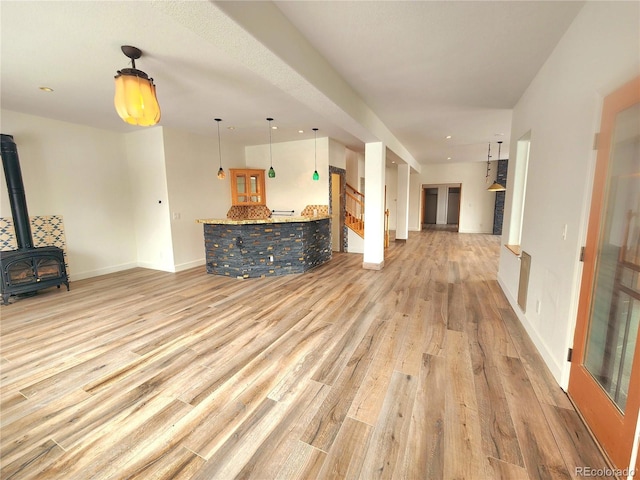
(441, 206)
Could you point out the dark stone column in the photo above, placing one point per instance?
(498, 211)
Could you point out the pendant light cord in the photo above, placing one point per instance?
(219, 148)
(488, 164)
(315, 176)
(270, 154)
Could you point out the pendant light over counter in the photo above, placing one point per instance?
(135, 98)
(315, 176)
(221, 174)
(496, 186)
(272, 172)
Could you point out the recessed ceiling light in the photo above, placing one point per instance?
(448, 137)
(300, 131)
(231, 128)
(46, 89)
(393, 161)
(274, 128)
(499, 134)
(448, 158)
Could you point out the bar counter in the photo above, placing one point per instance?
(255, 221)
(248, 248)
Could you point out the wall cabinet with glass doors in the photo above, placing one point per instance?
(247, 187)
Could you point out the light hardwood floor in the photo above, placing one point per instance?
(417, 371)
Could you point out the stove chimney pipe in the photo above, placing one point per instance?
(15, 187)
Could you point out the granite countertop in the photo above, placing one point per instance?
(255, 221)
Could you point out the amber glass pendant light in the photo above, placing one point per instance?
(135, 98)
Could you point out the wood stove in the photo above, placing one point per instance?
(28, 269)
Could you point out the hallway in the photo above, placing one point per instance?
(418, 371)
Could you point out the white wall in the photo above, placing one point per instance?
(293, 187)
(150, 198)
(561, 108)
(337, 154)
(194, 190)
(476, 203)
(355, 242)
(80, 173)
(355, 167)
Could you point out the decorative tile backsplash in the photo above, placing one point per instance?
(315, 210)
(248, 212)
(47, 231)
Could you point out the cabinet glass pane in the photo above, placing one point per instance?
(240, 184)
(254, 184)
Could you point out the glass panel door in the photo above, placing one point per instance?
(604, 380)
(615, 309)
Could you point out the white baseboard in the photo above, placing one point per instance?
(548, 358)
(127, 266)
(101, 271)
(157, 266)
(373, 266)
(186, 266)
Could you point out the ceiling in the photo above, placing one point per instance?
(416, 70)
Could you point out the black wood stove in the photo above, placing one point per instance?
(28, 269)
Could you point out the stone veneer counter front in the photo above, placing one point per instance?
(266, 247)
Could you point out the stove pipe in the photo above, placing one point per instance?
(15, 187)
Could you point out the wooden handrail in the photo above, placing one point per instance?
(355, 199)
(354, 191)
(353, 188)
(354, 206)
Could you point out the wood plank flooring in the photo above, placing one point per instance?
(418, 371)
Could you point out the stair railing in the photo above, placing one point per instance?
(354, 210)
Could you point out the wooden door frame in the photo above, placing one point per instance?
(344, 234)
(618, 447)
